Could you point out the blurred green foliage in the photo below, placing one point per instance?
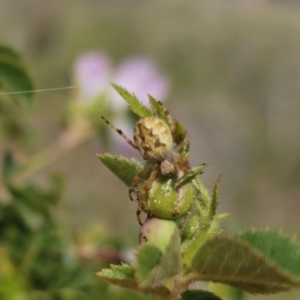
(38, 259)
(13, 78)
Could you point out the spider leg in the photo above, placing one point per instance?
(183, 143)
(181, 163)
(189, 175)
(138, 177)
(144, 192)
(120, 132)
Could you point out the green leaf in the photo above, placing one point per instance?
(123, 271)
(170, 262)
(155, 267)
(235, 262)
(199, 295)
(180, 135)
(148, 257)
(278, 248)
(157, 108)
(123, 275)
(125, 169)
(9, 166)
(214, 199)
(13, 76)
(29, 216)
(135, 105)
(9, 54)
(190, 249)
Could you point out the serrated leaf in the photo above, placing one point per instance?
(118, 271)
(13, 76)
(278, 248)
(147, 258)
(170, 262)
(154, 267)
(234, 262)
(123, 276)
(157, 108)
(199, 295)
(125, 169)
(189, 251)
(214, 199)
(135, 105)
(180, 134)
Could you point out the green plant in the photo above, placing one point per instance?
(175, 251)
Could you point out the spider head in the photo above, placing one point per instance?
(167, 166)
(153, 138)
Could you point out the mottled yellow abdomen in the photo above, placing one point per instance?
(153, 138)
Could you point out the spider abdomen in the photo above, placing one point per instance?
(153, 138)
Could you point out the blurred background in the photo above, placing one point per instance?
(228, 70)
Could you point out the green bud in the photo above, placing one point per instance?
(166, 202)
(191, 227)
(157, 232)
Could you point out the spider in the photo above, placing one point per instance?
(154, 139)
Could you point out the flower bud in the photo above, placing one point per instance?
(166, 202)
(157, 232)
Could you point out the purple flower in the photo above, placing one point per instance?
(140, 76)
(92, 74)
